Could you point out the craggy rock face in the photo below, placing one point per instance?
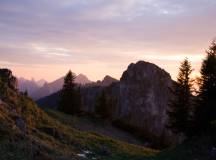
(140, 99)
(6, 76)
(89, 97)
(91, 92)
(144, 97)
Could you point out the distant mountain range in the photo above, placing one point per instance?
(107, 80)
(30, 85)
(49, 88)
(91, 90)
(41, 88)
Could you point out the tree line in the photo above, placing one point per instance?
(194, 112)
(70, 100)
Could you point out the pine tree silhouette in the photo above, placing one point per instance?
(70, 98)
(181, 104)
(205, 112)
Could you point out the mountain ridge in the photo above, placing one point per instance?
(29, 85)
(56, 85)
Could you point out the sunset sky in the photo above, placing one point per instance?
(46, 38)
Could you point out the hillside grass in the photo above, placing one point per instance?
(96, 124)
(35, 143)
(69, 143)
(196, 148)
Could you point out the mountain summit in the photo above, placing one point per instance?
(49, 88)
(108, 80)
(82, 79)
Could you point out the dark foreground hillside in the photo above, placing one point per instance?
(28, 133)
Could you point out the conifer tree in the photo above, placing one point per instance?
(205, 112)
(69, 96)
(179, 111)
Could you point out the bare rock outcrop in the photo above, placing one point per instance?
(144, 94)
(7, 77)
(108, 80)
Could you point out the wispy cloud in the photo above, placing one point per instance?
(8, 63)
(51, 51)
(99, 32)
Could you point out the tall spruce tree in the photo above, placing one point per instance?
(205, 112)
(69, 95)
(179, 111)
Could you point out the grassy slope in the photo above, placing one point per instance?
(194, 149)
(94, 124)
(37, 144)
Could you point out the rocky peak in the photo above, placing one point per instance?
(143, 69)
(82, 79)
(144, 97)
(108, 80)
(7, 77)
